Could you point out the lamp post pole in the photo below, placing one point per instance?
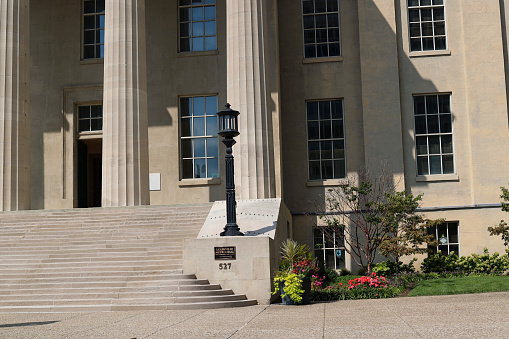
(228, 130)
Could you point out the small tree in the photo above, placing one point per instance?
(370, 217)
(502, 229)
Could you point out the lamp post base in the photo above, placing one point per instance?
(231, 231)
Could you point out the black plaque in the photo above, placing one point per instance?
(225, 253)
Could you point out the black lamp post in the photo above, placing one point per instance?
(228, 129)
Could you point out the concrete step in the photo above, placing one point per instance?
(103, 259)
(144, 307)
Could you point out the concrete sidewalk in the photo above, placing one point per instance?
(460, 316)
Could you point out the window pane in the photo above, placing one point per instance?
(96, 124)
(185, 44)
(444, 103)
(198, 106)
(337, 109)
(186, 107)
(309, 51)
(337, 129)
(422, 145)
(434, 144)
(211, 105)
(198, 127)
(309, 36)
(312, 110)
(453, 233)
(440, 43)
(185, 14)
(313, 130)
(435, 165)
(198, 44)
(200, 168)
(332, 20)
(438, 13)
(320, 6)
(307, 7)
(314, 170)
(84, 125)
(426, 14)
(309, 22)
(211, 126)
(419, 105)
(212, 168)
(413, 15)
(210, 13)
(84, 112)
(198, 29)
(420, 124)
(96, 111)
(448, 164)
(422, 166)
(332, 5)
(321, 35)
(427, 29)
(326, 147)
(334, 49)
(415, 45)
(415, 30)
(314, 150)
(210, 43)
(197, 14)
(427, 44)
(431, 104)
(187, 149)
(446, 143)
(327, 172)
(199, 147)
(432, 121)
(187, 169)
(439, 28)
(339, 149)
(212, 147)
(324, 109)
(321, 21)
(325, 129)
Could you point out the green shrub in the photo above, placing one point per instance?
(389, 267)
(484, 263)
(439, 263)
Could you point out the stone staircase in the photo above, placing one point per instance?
(103, 259)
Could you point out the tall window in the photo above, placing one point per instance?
(328, 250)
(199, 141)
(197, 20)
(433, 134)
(447, 235)
(321, 28)
(93, 29)
(90, 118)
(326, 139)
(427, 25)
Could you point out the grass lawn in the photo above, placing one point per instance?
(461, 286)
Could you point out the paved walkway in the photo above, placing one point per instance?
(462, 316)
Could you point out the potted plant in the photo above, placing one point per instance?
(293, 279)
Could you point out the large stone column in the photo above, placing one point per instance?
(14, 105)
(253, 89)
(125, 135)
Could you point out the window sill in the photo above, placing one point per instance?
(199, 182)
(196, 54)
(320, 60)
(429, 53)
(437, 177)
(328, 182)
(90, 135)
(92, 61)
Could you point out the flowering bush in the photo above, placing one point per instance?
(305, 268)
(365, 287)
(372, 281)
(317, 281)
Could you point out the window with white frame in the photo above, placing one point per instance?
(447, 235)
(90, 118)
(426, 20)
(326, 139)
(93, 29)
(328, 250)
(197, 20)
(199, 141)
(321, 28)
(434, 134)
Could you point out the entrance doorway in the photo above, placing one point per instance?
(89, 173)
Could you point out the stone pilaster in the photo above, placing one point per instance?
(252, 89)
(125, 134)
(14, 105)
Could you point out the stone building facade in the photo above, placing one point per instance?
(113, 102)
